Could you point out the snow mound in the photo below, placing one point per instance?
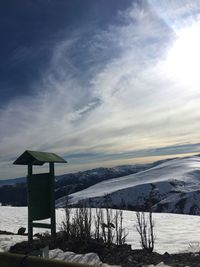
(89, 258)
(161, 264)
(6, 241)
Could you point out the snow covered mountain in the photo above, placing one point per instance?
(170, 186)
(14, 192)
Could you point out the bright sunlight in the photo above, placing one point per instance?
(183, 59)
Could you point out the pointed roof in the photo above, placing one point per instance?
(38, 158)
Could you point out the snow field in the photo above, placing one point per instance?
(173, 232)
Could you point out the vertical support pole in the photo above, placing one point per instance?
(53, 215)
(30, 227)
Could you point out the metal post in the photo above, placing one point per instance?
(53, 216)
(30, 227)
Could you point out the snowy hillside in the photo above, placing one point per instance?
(171, 186)
(11, 189)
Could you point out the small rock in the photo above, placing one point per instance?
(167, 254)
(21, 231)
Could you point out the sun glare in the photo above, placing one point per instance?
(183, 59)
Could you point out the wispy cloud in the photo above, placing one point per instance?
(108, 95)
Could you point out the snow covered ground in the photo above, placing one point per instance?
(6, 241)
(89, 258)
(173, 232)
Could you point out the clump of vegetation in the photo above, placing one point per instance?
(107, 225)
(145, 228)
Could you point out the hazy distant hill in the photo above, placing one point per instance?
(169, 186)
(12, 181)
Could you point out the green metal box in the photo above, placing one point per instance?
(39, 196)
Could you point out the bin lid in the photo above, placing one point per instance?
(38, 158)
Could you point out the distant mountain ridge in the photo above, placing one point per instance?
(167, 186)
(12, 181)
(13, 191)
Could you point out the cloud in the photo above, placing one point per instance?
(108, 95)
(176, 14)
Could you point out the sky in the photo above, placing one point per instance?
(99, 82)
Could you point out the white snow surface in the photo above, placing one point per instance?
(173, 232)
(6, 241)
(174, 183)
(161, 264)
(89, 258)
